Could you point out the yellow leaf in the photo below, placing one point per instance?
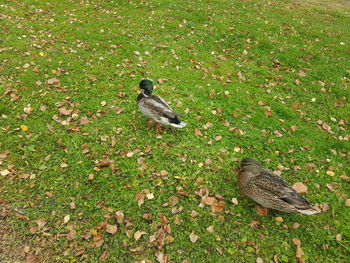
(279, 219)
(24, 128)
(42, 54)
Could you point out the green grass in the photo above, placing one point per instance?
(240, 58)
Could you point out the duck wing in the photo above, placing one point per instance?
(276, 187)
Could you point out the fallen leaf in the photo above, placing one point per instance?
(330, 187)
(130, 154)
(119, 216)
(193, 237)
(347, 202)
(84, 121)
(41, 223)
(71, 235)
(138, 234)
(162, 80)
(218, 138)
(64, 111)
(338, 237)
(163, 173)
(5, 172)
(147, 217)
(30, 258)
(173, 200)
(300, 188)
(279, 219)
(112, 229)
(209, 200)
(97, 241)
(53, 81)
(66, 219)
(194, 213)
(234, 201)
(210, 229)
(72, 205)
(104, 255)
(198, 132)
(150, 196)
(24, 128)
(330, 173)
(162, 258)
(261, 211)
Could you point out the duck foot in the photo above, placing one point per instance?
(260, 210)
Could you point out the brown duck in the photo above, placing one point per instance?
(270, 190)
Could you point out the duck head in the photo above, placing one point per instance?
(147, 86)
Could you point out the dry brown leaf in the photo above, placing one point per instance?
(144, 166)
(71, 235)
(84, 121)
(199, 180)
(261, 211)
(97, 241)
(218, 207)
(63, 111)
(104, 255)
(138, 234)
(194, 213)
(41, 223)
(112, 229)
(218, 138)
(147, 217)
(300, 188)
(347, 202)
(163, 173)
(296, 241)
(210, 229)
(162, 80)
(209, 200)
(53, 81)
(162, 258)
(193, 237)
(330, 187)
(173, 200)
(30, 258)
(268, 113)
(119, 216)
(169, 239)
(198, 132)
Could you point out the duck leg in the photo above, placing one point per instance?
(158, 128)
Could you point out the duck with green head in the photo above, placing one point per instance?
(156, 108)
(270, 190)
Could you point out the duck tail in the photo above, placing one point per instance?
(179, 125)
(307, 210)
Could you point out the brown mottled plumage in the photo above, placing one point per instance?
(270, 190)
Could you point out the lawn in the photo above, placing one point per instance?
(83, 178)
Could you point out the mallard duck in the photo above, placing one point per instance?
(270, 190)
(156, 108)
